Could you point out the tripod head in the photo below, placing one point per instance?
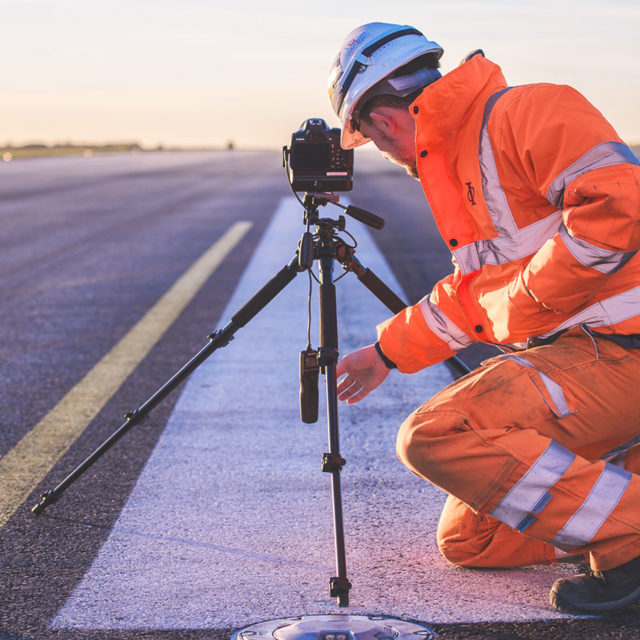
(325, 241)
(312, 201)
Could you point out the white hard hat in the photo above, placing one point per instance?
(368, 55)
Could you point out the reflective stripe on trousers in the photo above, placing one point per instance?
(530, 495)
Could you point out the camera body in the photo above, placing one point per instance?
(317, 162)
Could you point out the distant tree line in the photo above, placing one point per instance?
(35, 146)
(10, 151)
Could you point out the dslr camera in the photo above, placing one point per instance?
(316, 162)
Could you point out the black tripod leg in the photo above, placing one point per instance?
(216, 340)
(332, 462)
(381, 291)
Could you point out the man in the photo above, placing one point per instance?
(538, 200)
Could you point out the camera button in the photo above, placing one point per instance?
(424, 154)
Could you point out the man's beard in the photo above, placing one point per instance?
(409, 166)
(412, 171)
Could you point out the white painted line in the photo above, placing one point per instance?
(230, 521)
(29, 461)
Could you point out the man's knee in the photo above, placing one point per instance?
(411, 445)
(426, 442)
(463, 553)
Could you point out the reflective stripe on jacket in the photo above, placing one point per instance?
(538, 200)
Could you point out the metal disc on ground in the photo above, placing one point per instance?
(335, 627)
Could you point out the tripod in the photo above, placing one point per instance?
(326, 247)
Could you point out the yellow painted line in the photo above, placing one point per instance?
(31, 459)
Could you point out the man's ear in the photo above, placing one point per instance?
(385, 120)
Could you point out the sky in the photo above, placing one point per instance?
(205, 72)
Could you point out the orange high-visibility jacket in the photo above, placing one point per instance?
(538, 200)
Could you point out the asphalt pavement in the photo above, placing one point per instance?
(212, 513)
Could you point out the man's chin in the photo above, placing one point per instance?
(410, 168)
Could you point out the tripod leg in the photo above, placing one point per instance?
(216, 340)
(332, 462)
(381, 291)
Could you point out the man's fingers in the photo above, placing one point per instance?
(347, 381)
(351, 390)
(356, 397)
(346, 387)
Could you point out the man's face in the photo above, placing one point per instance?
(392, 130)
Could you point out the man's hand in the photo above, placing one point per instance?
(365, 371)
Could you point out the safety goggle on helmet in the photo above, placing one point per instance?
(368, 55)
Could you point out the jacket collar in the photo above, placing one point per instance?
(446, 105)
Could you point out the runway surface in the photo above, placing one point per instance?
(214, 513)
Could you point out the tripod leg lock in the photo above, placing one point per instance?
(217, 335)
(332, 462)
(327, 355)
(135, 416)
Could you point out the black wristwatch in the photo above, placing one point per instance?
(388, 363)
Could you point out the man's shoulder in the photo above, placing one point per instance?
(543, 103)
(539, 95)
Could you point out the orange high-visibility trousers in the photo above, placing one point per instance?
(520, 444)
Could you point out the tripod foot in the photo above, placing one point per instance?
(46, 499)
(339, 588)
